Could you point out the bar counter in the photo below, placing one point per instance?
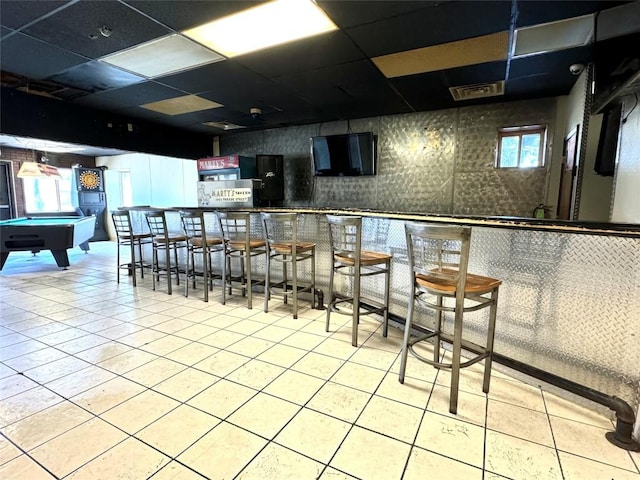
(570, 299)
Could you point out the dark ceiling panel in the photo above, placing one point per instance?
(187, 13)
(301, 117)
(18, 13)
(232, 85)
(556, 63)
(17, 57)
(311, 53)
(265, 100)
(350, 13)
(321, 97)
(208, 77)
(533, 12)
(527, 74)
(96, 76)
(426, 91)
(339, 75)
(472, 74)
(432, 26)
(4, 32)
(322, 78)
(137, 94)
(73, 27)
(431, 90)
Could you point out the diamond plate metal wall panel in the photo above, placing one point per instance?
(293, 143)
(477, 132)
(436, 162)
(569, 304)
(416, 162)
(485, 192)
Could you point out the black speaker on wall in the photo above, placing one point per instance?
(271, 172)
(605, 164)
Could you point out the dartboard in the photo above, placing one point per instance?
(89, 180)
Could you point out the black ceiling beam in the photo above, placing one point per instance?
(37, 116)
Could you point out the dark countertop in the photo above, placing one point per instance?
(589, 228)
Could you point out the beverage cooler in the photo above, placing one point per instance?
(228, 167)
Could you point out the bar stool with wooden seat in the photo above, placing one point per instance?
(281, 234)
(126, 237)
(240, 246)
(348, 258)
(438, 258)
(199, 244)
(167, 242)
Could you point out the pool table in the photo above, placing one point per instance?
(45, 233)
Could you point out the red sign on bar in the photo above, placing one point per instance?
(218, 163)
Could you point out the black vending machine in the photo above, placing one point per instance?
(90, 198)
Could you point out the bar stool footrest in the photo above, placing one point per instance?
(465, 345)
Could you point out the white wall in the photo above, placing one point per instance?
(595, 197)
(626, 202)
(575, 115)
(555, 143)
(155, 180)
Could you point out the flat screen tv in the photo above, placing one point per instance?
(347, 155)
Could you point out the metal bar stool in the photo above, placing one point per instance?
(281, 234)
(127, 238)
(348, 258)
(199, 244)
(164, 241)
(438, 258)
(238, 245)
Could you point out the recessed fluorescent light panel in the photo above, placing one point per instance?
(547, 37)
(161, 57)
(264, 26)
(180, 105)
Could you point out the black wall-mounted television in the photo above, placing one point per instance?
(347, 155)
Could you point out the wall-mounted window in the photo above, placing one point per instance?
(521, 147)
(48, 194)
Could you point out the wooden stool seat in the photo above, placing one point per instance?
(201, 246)
(167, 242)
(438, 258)
(284, 248)
(240, 246)
(126, 237)
(348, 259)
(474, 283)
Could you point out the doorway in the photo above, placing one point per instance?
(568, 175)
(7, 196)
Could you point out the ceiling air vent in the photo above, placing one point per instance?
(478, 90)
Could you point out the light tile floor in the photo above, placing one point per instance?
(105, 381)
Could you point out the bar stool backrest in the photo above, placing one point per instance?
(345, 236)
(158, 225)
(235, 226)
(122, 224)
(280, 229)
(440, 252)
(194, 227)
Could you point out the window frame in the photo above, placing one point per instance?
(59, 203)
(520, 132)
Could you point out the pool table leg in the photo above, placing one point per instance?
(62, 259)
(85, 246)
(3, 258)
